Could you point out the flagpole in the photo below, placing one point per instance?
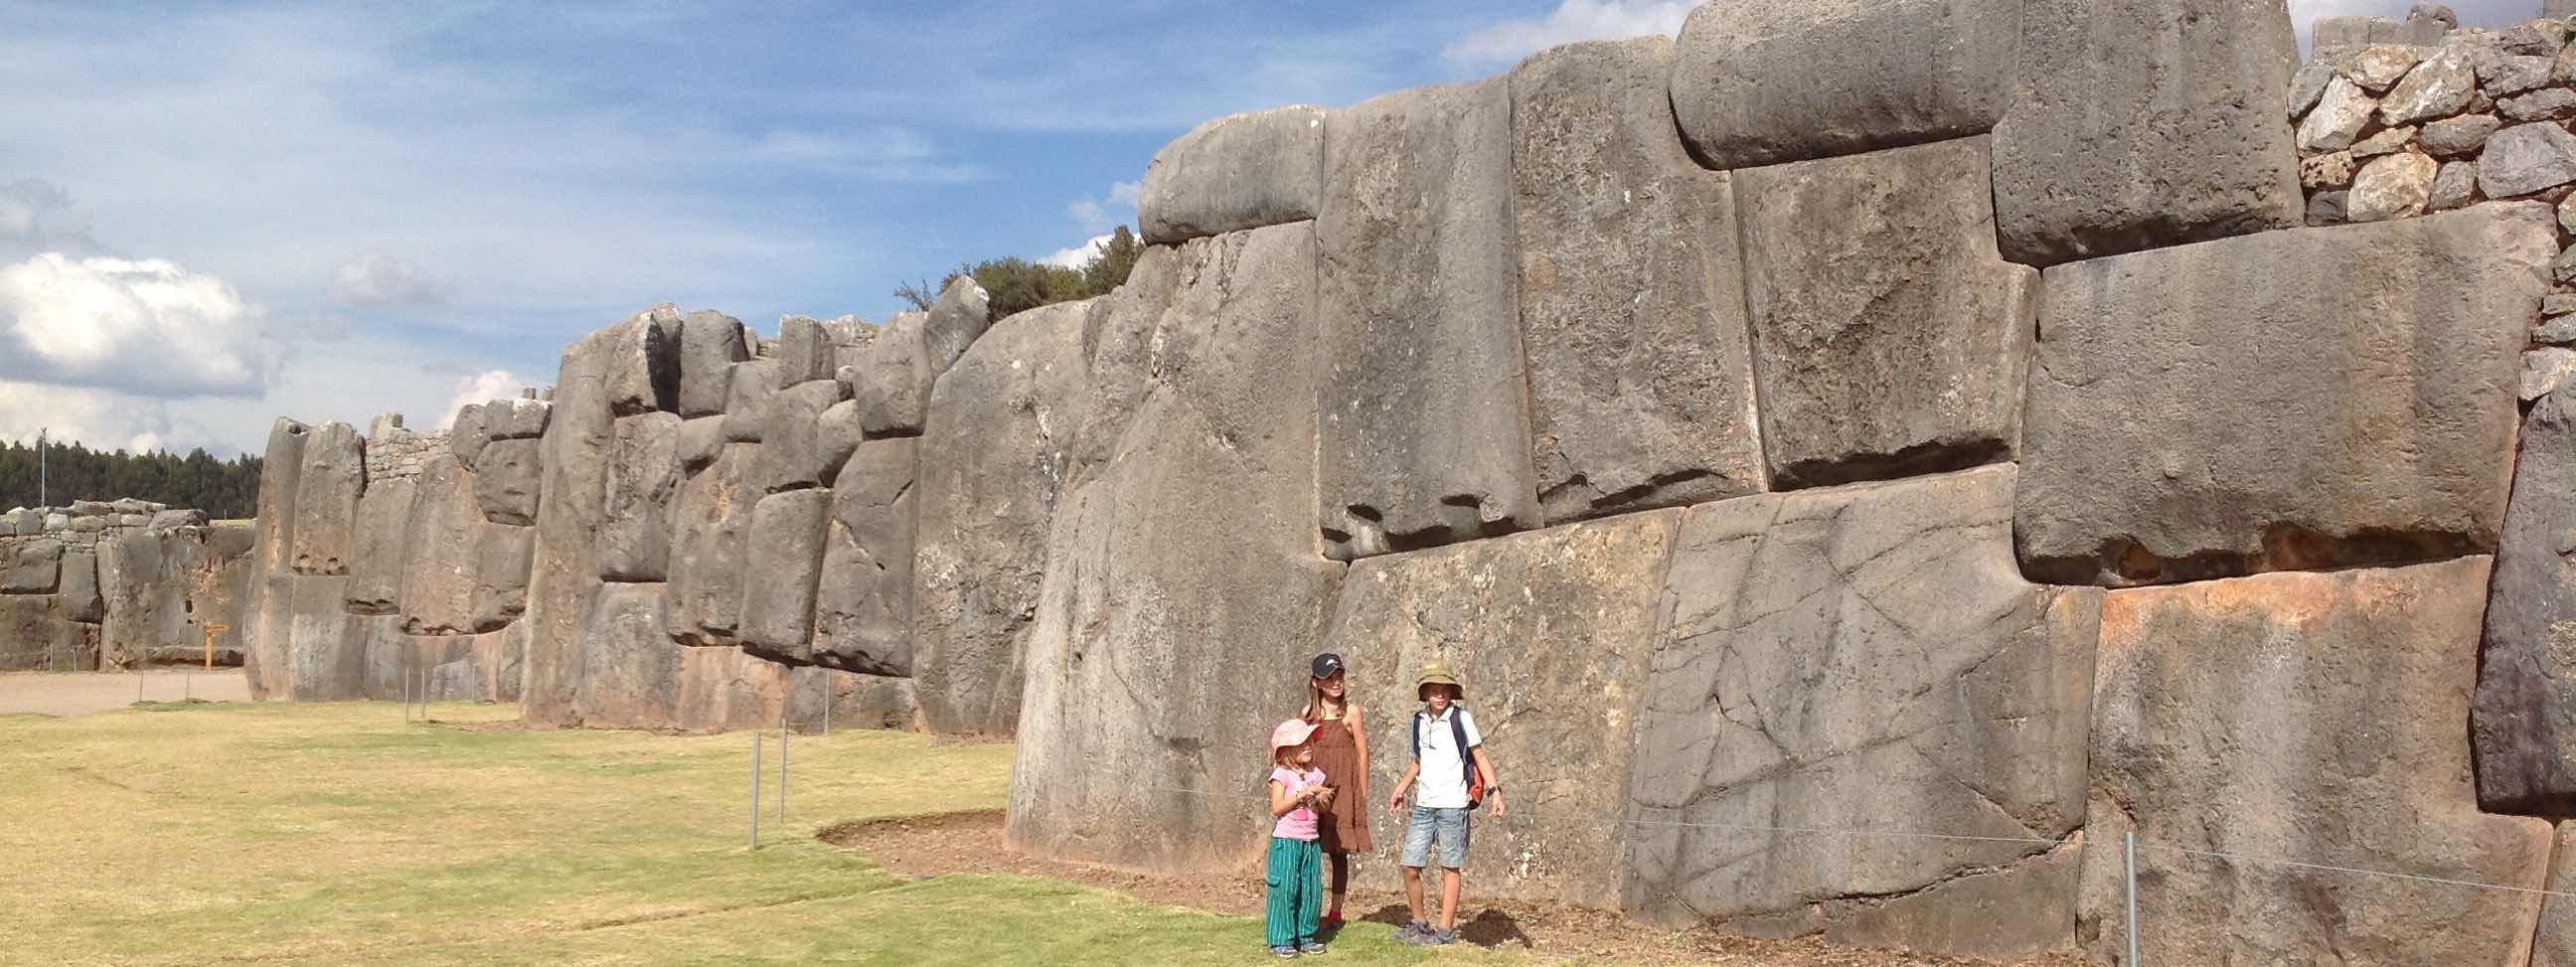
(41, 469)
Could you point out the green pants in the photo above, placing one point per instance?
(1296, 883)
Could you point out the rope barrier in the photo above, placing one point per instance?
(2356, 870)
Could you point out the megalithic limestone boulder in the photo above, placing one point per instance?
(993, 462)
(1236, 172)
(1890, 338)
(2315, 717)
(640, 372)
(1631, 291)
(1864, 657)
(565, 573)
(502, 557)
(82, 598)
(1759, 82)
(2301, 399)
(272, 549)
(793, 454)
(719, 689)
(2138, 125)
(1146, 672)
(379, 549)
(41, 636)
(630, 667)
(710, 343)
(863, 603)
(471, 432)
(962, 314)
(891, 385)
(644, 475)
(508, 481)
(711, 525)
(747, 394)
(2523, 726)
(697, 442)
(804, 351)
(327, 646)
(326, 506)
(787, 533)
(35, 566)
(143, 578)
(463, 575)
(1425, 439)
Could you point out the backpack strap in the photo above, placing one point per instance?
(1458, 732)
(1416, 730)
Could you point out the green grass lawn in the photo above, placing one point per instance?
(335, 833)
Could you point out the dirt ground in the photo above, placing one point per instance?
(972, 843)
(81, 693)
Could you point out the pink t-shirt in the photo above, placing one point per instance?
(1299, 824)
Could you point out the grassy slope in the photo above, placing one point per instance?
(336, 834)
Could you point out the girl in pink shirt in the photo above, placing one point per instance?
(1295, 881)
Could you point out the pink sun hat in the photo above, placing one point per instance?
(1293, 732)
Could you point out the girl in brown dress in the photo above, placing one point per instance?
(1341, 750)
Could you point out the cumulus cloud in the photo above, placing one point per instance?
(483, 387)
(1096, 215)
(98, 419)
(1077, 256)
(146, 326)
(378, 279)
(1572, 20)
(37, 216)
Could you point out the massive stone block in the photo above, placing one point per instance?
(1147, 669)
(2525, 716)
(1864, 658)
(1890, 338)
(145, 579)
(508, 482)
(327, 647)
(643, 483)
(698, 442)
(1425, 439)
(2299, 399)
(378, 555)
(747, 399)
(863, 604)
(437, 576)
(891, 382)
(993, 460)
(708, 553)
(804, 351)
(2308, 716)
(1631, 291)
(640, 362)
(39, 636)
(630, 667)
(1236, 172)
(502, 558)
(272, 550)
(471, 432)
(793, 453)
(2140, 125)
(718, 689)
(565, 573)
(35, 566)
(520, 419)
(82, 599)
(334, 474)
(787, 531)
(1759, 82)
(710, 343)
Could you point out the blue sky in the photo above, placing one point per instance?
(210, 216)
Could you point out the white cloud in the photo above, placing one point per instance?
(145, 326)
(1126, 192)
(1095, 215)
(1573, 20)
(483, 387)
(1077, 256)
(378, 279)
(99, 419)
(36, 216)
(1090, 214)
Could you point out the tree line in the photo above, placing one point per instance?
(1017, 285)
(224, 489)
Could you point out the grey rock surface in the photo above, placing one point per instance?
(2523, 726)
(520, 419)
(779, 579)
(2459, 136)
(710, 343)
(1872, 74)
(79, 596)
(35, 566)
(698, 441)
(272, 548)
(710, 525)
(892, 385)
(1425, 438)
(640, 367)
(1889, 336)
(643, 484)
(631, 671)
(326, 502)
(2526, 158)
(793, 454)
(509, 480)
(2339, 117)
(962, 314)
(863, 602)
(378, 555)
(2213, 410)
(42, 638)
(471, 433)
(747, 400)
(804, 351)
(1631, 291)
(1235, 172)
(565, 573)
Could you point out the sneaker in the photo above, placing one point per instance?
(1311, 948)
(1412, 931)
(1284, 953)
(1437, 938)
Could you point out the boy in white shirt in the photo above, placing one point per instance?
(1449, 760)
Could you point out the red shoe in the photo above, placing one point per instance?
(1333, 919)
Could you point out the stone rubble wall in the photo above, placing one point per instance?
(1900, 415)
(119, 585)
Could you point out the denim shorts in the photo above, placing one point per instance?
(1449, 826)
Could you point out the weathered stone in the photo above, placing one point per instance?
(2556, 303)
(167, 519)
(2514, 75)
(1890, 337)
(436, 576)
(837, 434)
(378, 555)
(961, 315)
(516, 419)
(2564, 268)
(2387, 141)
(470, 433)
(863, 604)
(2338, 118)
(2455, 187)
(158, 591)
(893, 385)
(804, 351)
(2544, 369)
(719, 689)
(992, 465)
(2311, 716)
(2306, 85)
(326, 504)
(2552, 104)
(2555, 946)
(631, 670)
(708, 554)
(327, 647)
(565, 573)
(91, 508)
(132, 505)
(2539, 38)
(40, 637)
(2339, 32)
(1424, 436)
(697, 442)
(792, 453)
(1872, 74)
(508, 480)
(640, 372)
(2526, 693)
(747, 402)
(2439, 87)
(850, 700)
(89, 525)
(22, 523)
(2526, 158)
(643, 483)
(779, 582)
(2459, 136)
(2394, 186)
(80, 598)
(34, 567)
(2379, 66)
(502, 558)
(2330, 170)
(2208, 411)
(264, 632)
(1236, 172)
(1631, 295)
(1866, 658)
(710, 343)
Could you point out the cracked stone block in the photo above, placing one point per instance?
(2307, 716)
(787, 533)
(1236, 172)
(710, 527)
(272, 550)
(1889, 337)
(34, 567)
(639, 363)
(907, 358)
(41, 636)
(2302, 399)
(326, 503)
(747, 393)
(508, 482)
(1631, 291)
(644, 475)
(631, 669)
(2524, 725)
(377, 554)
(1870, 658)
(794, 452)
(82, 600)
(565, 571)
(710, 343)
(1870, 74)
(863, 605)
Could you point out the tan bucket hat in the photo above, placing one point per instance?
(1437, 673)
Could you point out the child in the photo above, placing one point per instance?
(1342, 752)
(1297, 790)
(1449, 759)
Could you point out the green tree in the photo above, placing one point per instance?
(1017, 285)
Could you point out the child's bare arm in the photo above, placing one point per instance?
(1495, 786)
(1395, 801)
(1283, 802)
(1359, 738)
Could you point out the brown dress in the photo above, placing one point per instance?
(1343, 828)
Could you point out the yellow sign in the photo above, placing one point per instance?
(211, 632)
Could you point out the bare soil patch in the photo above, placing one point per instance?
(81, 693)
(971, 842)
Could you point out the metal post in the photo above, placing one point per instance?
(2133, 898)
(406, 692)
(755, 790)
(187, 689)
(41, 471)
(138, 684)
(827, 710)
(782, 769)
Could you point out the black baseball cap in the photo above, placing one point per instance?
(1327, 665)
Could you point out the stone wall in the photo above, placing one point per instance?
(1896, 415)
(118, 585)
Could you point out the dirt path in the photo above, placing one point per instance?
(80, 693)
(972, 843)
